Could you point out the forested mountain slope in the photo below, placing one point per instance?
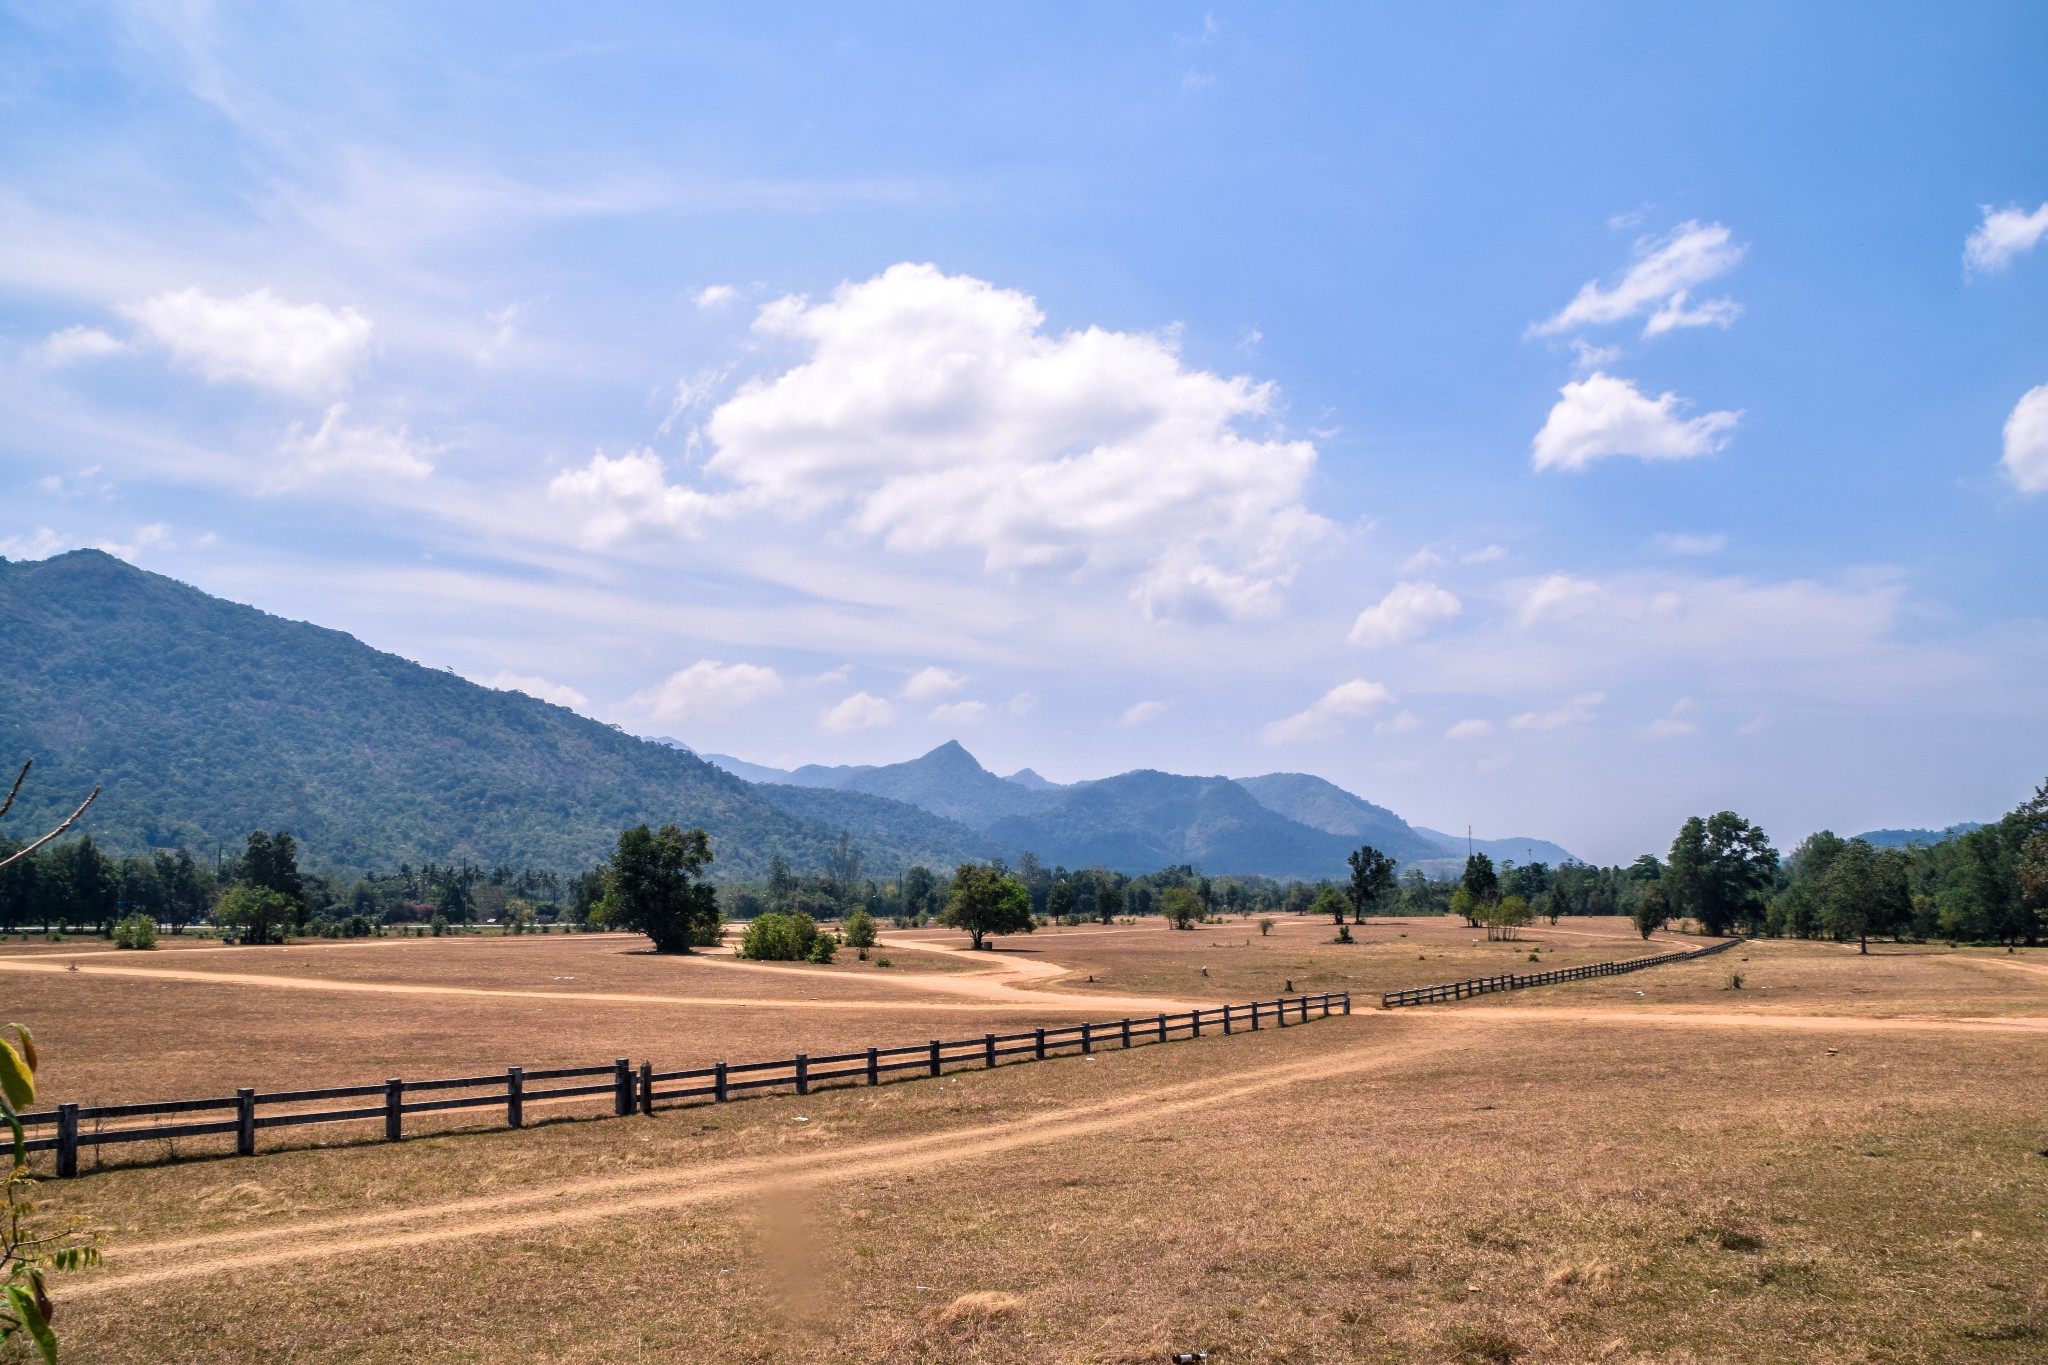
(205, 719)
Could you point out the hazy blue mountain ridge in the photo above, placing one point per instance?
(204, 719)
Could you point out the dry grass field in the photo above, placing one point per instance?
(1840, 1161)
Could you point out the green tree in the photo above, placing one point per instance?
(782, 883)
(1061, 898)
(860, 930)
(1109, 899)
(1852, 894)
(256, 913)
(779, 936)
(1652, 909)
(655, 886)
(1182, 906)
(187, 890)
(1718, 871)
(86, 884)
(920, 890)
(1481, 880)
(987, 900)
(1329, 901)
(1372, 880)
(271, 861)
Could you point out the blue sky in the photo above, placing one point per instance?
(1561, 419)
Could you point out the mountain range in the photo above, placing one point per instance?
(204, 719)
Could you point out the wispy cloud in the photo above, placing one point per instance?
(861, 711)
(2004, 236)
(306, 349)
(1659, 283)
(1325, 717)
(2026, 442)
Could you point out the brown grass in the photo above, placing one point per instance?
(1458, 1183)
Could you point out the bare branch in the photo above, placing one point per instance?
(8, 804)
(69, 820)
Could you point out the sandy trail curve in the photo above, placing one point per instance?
(1808, 1023)
(573, 1202)
(964, 994)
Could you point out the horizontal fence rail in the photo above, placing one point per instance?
(631, 1090)
(1510, 981)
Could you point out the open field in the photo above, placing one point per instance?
(1839, 1162)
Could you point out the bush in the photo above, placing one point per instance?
(883, 962)
(1265, 927)
(1343, 934)
(137, 931)
(780, 937)
(860, 930)
(822, 949)
(439, 925)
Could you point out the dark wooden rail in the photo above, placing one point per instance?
(1487, 985)
(630, 1090)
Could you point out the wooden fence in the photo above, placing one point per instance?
(1487, 985)
(630, 1090)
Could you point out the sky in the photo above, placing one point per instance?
(1559, 419)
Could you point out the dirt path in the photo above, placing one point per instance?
(994, 994)
(573, 1202)
(1809, 1023)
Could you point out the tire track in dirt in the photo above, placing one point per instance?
(571, 1203)
(966, 993)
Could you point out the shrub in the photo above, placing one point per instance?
(860, 930)
(1344, 934)
(779, 937)
(883, 962)
(439, 925)
(136, 931)
(822, 949)
(1265, 927)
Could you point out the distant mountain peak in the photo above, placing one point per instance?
(1030, 779)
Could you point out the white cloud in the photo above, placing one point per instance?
(504, 330)
(958, 713)
(933, 681)
(1681, 544)
(861, 711)
(1660, 283)
(1575, 712)
(300, 348)
(707, 688)
(1469, 729)
(2026, 442)
(716, 295)
(2003, 236)
(933, 412)
(561, 694)
(1485, 554)
(1716, 621)
(1141, 712)
(1600, 416)
(1023, 704)
(38, 544)
(79, 343)
(1408, 609)
(1398, 724)
(618, 498)
(1325, 717)
(338, 448)
(1674, 725)
(1587, 356)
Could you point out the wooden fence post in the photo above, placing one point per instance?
(1304, 1009)
(647, 1088)
(515, 1097)
(988, 1049)
(67, 1141)
(1226, 1021)
(1255, 1016)
(1162, 1028)
(803, 1073)
(1347, 1002)
(622, 1086)
(1038, 1046)
(1194, 1023)
(1127, 1035)
(1087, 1039)
(935, 1056)
(718, 1084)
(1280, 1013)
(245, 1122)
(874, 1067)
(394, 1109)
